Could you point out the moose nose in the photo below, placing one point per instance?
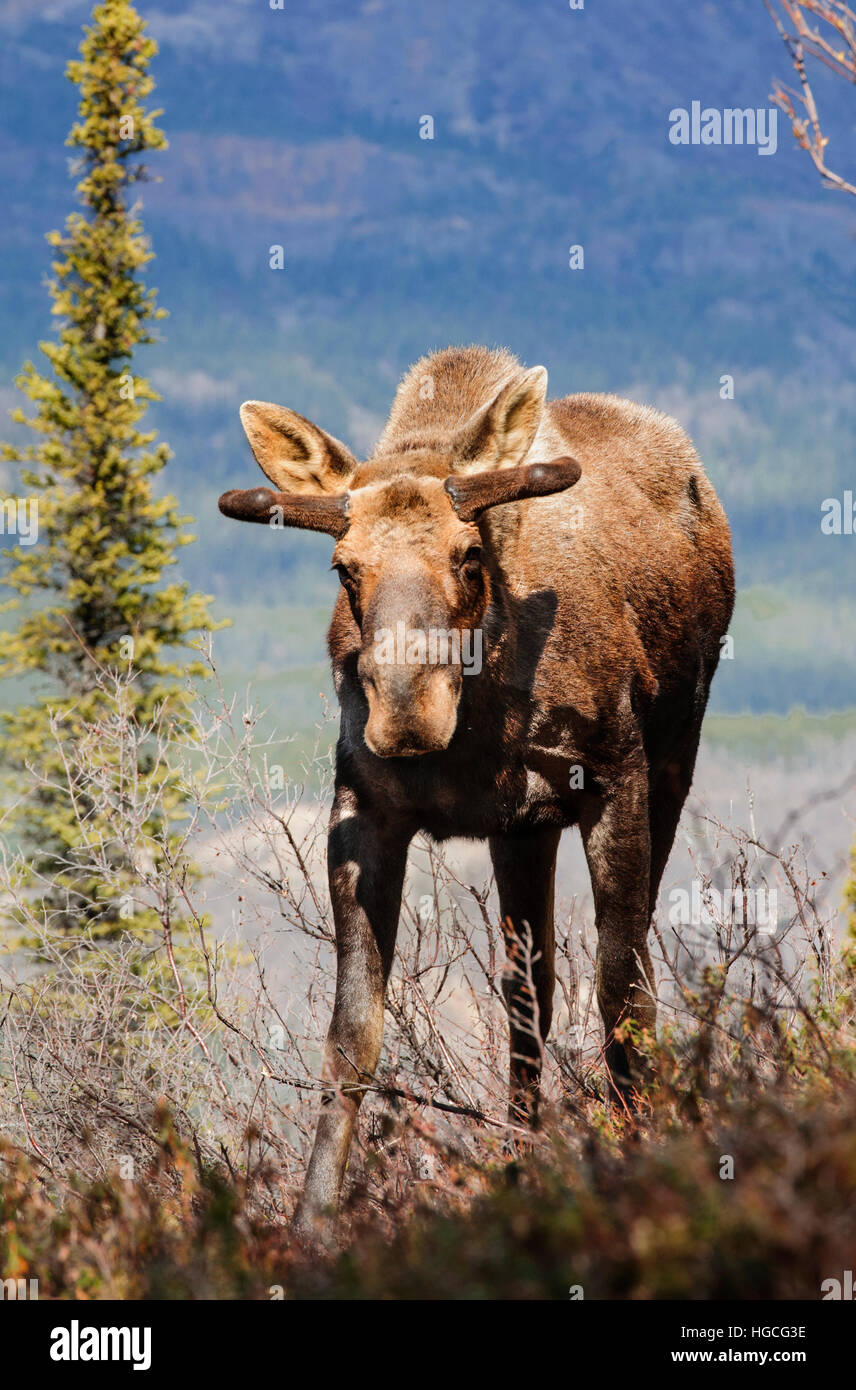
(410, 717)
(409, 743)
(394, 740)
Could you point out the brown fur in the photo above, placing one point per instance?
(601, 607)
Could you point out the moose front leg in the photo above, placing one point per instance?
(616, 837)
(366, 861)
(525, 867)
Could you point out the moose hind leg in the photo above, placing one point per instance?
(667, 792)
(616, 839)
(525, 867)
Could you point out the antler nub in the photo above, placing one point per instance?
(473, 493)
(327, 513)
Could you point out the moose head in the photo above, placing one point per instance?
(415, 575)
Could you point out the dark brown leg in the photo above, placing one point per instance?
(667, 792)
(616, 838)
(366, 863)
(525, 867)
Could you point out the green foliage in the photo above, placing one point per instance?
(92, 592)
(850, 899)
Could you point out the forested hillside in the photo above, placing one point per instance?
(301, 129)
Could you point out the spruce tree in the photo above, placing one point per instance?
(91, 592)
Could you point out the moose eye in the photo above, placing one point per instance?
(345, 576)
(350, 583)
(471, 563)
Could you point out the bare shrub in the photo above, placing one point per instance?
(212, 1006)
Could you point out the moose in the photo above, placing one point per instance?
(582, 539)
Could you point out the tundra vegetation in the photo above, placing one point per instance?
(158, 1099)
(155, 1136)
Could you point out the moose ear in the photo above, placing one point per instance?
(296, 455)
(500, 435)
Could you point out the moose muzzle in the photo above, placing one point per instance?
(411, 667)
(410, 712)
